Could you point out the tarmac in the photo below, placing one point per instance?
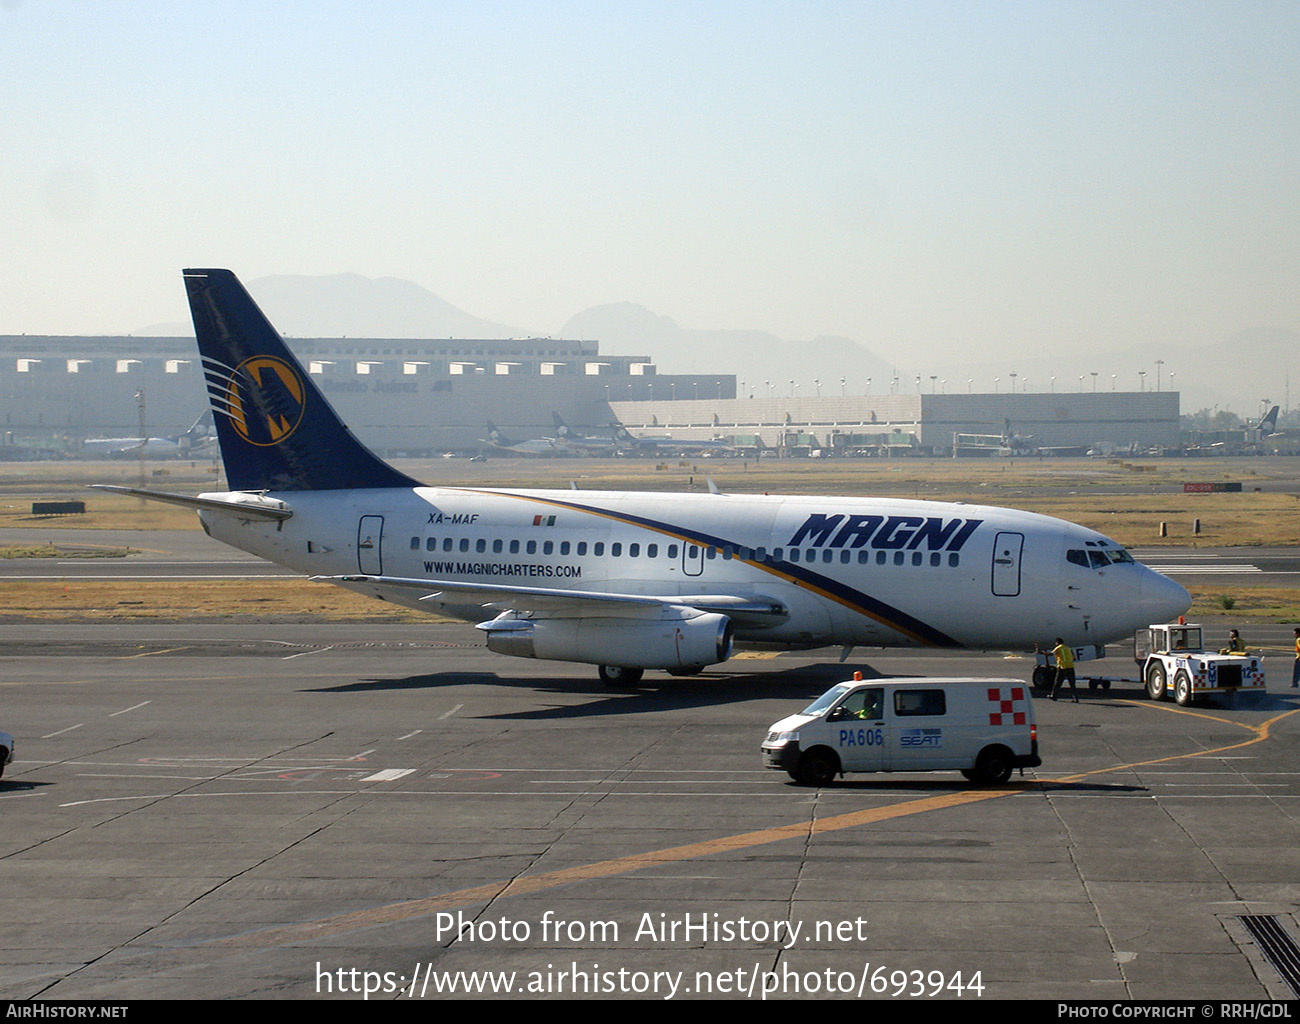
(390, 812)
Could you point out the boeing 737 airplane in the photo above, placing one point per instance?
(626, 441)
(191, 444)
(532, 446)
(634, 581)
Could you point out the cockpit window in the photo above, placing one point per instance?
(1093, 559)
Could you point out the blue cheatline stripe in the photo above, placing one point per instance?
(850, 597)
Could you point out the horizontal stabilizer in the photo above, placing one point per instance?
(254, 506)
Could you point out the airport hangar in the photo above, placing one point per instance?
(425, 397)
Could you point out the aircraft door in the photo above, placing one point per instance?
(370, 537)
(1007, 548)
(692, 558)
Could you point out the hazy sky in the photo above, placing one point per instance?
(935, 180)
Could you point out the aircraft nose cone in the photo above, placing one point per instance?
(1163, 600)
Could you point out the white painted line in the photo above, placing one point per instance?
(303, 654)
(389, 775)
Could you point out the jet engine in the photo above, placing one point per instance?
(689, 640)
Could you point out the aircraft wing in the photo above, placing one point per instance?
(757, 608)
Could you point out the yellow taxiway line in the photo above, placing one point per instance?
(311, 931)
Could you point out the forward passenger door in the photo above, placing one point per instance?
(370, 540)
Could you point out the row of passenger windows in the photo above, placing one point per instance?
(616, 549)
(550, 547)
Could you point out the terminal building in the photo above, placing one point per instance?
(969, 424)
(425, 397)
(401, 396)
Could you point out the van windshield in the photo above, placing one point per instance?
(827, 699)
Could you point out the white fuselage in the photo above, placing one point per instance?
(848, 571)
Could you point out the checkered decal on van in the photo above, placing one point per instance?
(1009, 709)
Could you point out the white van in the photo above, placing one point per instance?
(983, 728)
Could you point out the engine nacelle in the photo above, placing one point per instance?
(691, 640)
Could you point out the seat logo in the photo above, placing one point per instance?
(264, 400)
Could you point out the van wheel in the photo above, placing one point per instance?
(617, 676)
(817, 768)
(1156, 681)
(993, 766)
(1182, 688)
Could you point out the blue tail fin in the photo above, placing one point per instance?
(1269, 423)
(275, 429)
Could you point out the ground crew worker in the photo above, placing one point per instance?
(1064, 668)
(1295, 667)
(1235, 644)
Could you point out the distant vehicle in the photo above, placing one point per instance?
(1173, 661)
(983, 728)
(6, 751)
